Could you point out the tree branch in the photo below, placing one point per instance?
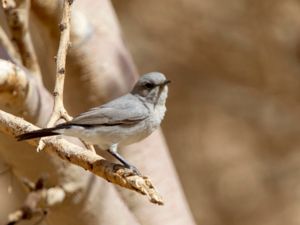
(88, 160)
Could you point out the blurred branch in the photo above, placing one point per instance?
(88, 160)
(13, 84)
(21, 95)
(8, 46)
(17, 16)
(36, 202)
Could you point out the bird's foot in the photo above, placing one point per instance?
(134, 169)
(115, 154)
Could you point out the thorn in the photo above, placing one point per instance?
(61, 71)
(62, 26)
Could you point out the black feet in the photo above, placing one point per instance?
(134, 169)
(124, 162)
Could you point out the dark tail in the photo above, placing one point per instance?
(37, 134)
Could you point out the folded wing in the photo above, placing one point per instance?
(122, 111)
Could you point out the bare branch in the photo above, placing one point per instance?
(59, 111)
(88, 160)
(17, 15)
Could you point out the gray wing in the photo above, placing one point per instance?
(124, 110)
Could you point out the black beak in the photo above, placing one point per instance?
(165, 83)
(160, 90)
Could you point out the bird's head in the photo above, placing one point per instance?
(152, 87)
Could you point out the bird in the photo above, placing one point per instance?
(123, 121)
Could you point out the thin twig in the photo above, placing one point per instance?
(64, 43)
(59, 111)
(88, 160)
(17, 16)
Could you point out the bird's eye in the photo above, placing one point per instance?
(149, 85)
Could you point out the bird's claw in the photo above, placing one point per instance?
(134, 169)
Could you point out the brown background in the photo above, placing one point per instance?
(233, 120)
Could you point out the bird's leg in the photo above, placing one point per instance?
(113, 151)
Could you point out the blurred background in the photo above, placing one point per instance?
(233, 119)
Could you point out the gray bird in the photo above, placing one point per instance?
(120, 122)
